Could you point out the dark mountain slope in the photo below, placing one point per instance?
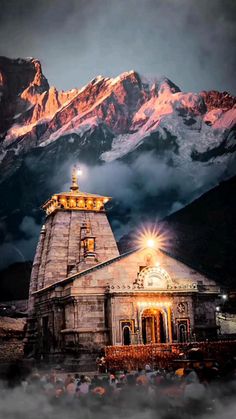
(204, 233)
(14, 281)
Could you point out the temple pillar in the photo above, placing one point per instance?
(158, 327)
(169, 324)
(153, 330)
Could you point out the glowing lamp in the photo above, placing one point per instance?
(151, 243)
(99, 205)
(79, 172)
(154, 237)
(72, 202)
(224, 296)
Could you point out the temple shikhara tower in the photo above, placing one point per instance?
(84, 295)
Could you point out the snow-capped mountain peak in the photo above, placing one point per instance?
(150, 145)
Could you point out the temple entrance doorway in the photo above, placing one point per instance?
(126, 330)
(153, 326)
(45, 334)
(126, 335)
(183, 331)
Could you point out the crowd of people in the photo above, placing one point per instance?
(129, 356)
(184, 392)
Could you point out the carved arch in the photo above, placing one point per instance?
(154, 277)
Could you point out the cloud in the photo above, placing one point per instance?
(151, 175)
(144, 190)
(23, 249)
(149, 188)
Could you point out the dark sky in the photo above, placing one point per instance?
(193, 42)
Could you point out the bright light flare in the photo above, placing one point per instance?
(79, 172)
(155, 237)
(151, 243)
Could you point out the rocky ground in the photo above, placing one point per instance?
(11, 339)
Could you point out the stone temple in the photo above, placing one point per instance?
(85, 295)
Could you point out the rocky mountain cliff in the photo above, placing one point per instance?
(149, 145)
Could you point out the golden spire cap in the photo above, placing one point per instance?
(75, 199)
(74, 178)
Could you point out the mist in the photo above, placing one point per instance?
(23, 249)
(191, 42)
(28, 402)
(146, 189)
(143, 191)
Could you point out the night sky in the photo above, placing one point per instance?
(193, 42)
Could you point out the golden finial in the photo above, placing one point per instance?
(76, 200)
(74, 177)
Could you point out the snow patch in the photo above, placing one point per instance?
(72, 128)
(227, 120)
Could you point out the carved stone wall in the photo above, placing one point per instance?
(87, 311)
(58, 250)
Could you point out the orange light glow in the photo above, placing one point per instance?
(151, 243)
(155, 237)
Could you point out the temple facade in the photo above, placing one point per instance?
(85, 295)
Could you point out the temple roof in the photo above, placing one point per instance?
(102, 265)
(75, 199)
(89, 270)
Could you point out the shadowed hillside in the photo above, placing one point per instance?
(14, 282)
(205, 231)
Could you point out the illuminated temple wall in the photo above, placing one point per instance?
(84, 295)
(90, 310)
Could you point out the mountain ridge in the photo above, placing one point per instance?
(102, 97)
(162, 146)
